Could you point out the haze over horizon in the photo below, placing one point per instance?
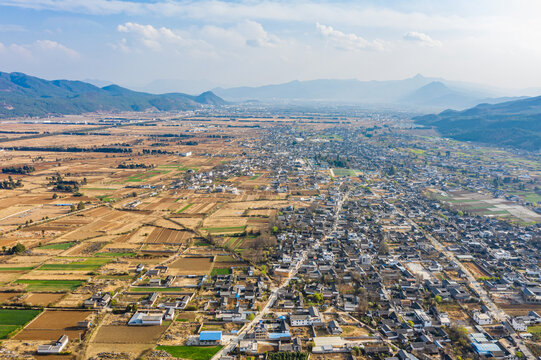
(247, 43)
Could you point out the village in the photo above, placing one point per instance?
(261, 233)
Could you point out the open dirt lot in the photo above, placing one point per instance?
(168, 236)
(42, 299)
(123, 334)
(191, 266)
(50, 325)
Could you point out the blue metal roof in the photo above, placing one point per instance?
(276, 336)
(486, 348)
(210, 336)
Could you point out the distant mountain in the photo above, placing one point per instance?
(24, 95)
(438, 94)
(161, 86)
(97, 82)
(513, 123)
(417, 91)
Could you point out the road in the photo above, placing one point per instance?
(274, 291)
(272, 298)
(497, 313)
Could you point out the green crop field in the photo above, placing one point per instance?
(344, 172)
(59, 246)
(89, 264)
(191, 352)
(153, 289)
(51, 285)
(255, 176)
(11, 320)
(116, 254)
(146, 175)
(105, 198)
(417, 151)
(185, 207)
(5, 330)
(215, 272)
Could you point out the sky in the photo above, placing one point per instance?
(194, 45)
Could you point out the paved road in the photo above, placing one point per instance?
(497, 313)
(274, 292)
(248, 327)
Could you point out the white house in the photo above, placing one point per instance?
(146, 318)
(444, 319)
(519, 324)
(482, 318)
(423, 318)
(306, 319)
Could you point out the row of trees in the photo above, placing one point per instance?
(134, 166)
(23, 170)
(17, 249)
(72, 149)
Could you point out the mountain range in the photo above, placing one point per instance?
(418, 92)
(513, 123)
(24, 95)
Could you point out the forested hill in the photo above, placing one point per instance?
(24, 95)
(512, 123)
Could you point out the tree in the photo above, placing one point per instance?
(383, 248)
(80, 205)
(55, 196)
(318, 297)
(250, 316)
(17, 249)
(438, 299)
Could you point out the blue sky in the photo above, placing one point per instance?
(230, 43)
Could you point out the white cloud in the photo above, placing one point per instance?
(207, 39)
(228, 11)
(53, 46)
(349, 42)
(421, 38)
(38, 50)
(255, 35)
(151, 37)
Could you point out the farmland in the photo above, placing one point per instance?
(50, 325)
(112, 334)
(191, 352)
(11, 320)
(192, 265)
(50, 285)
(215, 234)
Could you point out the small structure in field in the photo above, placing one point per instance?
(55, 348)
